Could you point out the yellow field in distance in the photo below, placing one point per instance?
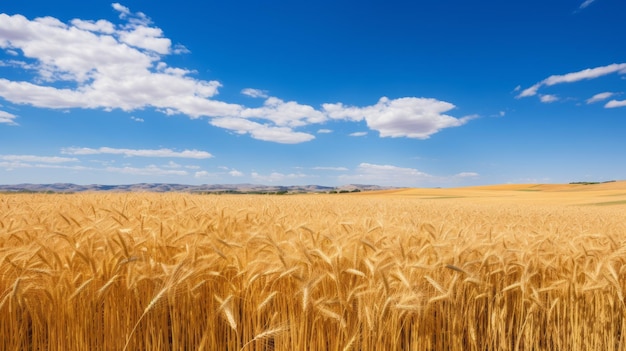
(611, 193)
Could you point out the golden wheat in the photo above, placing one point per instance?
(320, 272)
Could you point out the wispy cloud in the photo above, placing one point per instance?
(7, 118)
(615, 103)
(368, 173)
(204, 174)
(586, 74)
(195, 154)
(277, 177)
(150, 170)
(40, 159)
(338, 169)
(12, 162)
(548, 98)
(358, 134)
(386, 174)
(255, 93)
(136, 119)
(600, 97)
(324, 131)
(585, 4)
(467, 175)
(123, 10)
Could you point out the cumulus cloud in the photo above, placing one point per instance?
(100, 26)
(105, 70)
(7, 118)
(586, 74)
(404, 117)
(195, 154)
(284, 135)
(97, 64)
(281, 113)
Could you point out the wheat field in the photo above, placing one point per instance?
(478, 269)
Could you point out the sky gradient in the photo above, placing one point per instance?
(418, 94)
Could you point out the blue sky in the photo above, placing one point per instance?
(403, 93)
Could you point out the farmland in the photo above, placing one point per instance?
(515, 267)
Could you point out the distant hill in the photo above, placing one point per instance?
(205, 188)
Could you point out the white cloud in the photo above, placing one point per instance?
(277, 177)
(33, 158)
(101, 65)
(358, 134)
(547, 98)
(405, 117)
(148, 38)
(195, 154)
(203, 174)
(390, 175)
(123, 10)
(338, 169)
(7, 118)
(285, 114)
(136, 119)
(589, 73)
(599, 97)
(106, 70)
(586, 3)
(235, 173)
(12, 165)
(502, 113)
(467, 174)
(100, 26)
(146, 171)
(284, 135)
(324, 131)
(615, 103)
(367, 173)
(255, 93)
